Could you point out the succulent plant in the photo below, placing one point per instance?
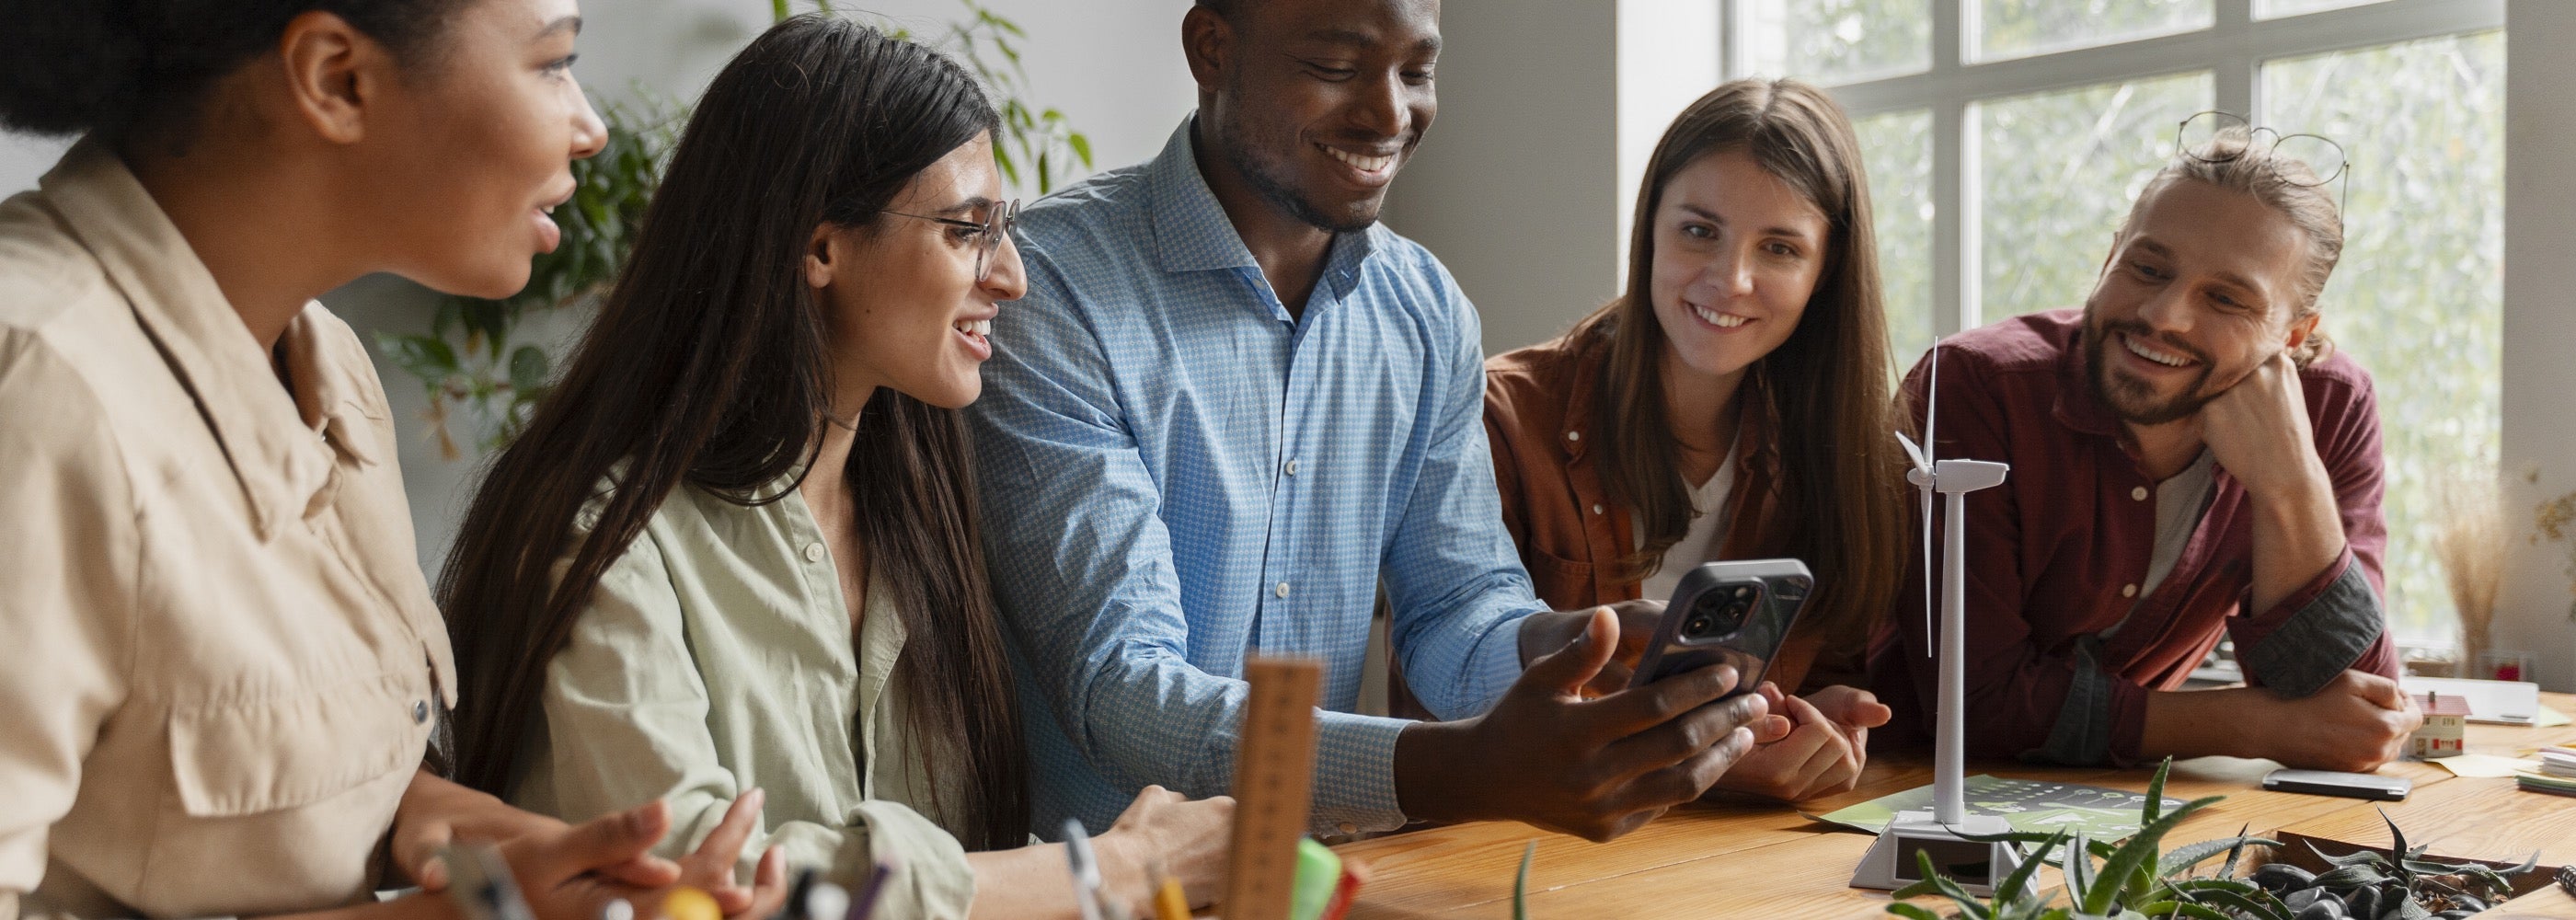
(2400, 884)
(2134, 882)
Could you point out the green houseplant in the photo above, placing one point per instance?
(475, 361)
(2135, 881)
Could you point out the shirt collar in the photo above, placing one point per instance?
(1192, 233)
(276, 445)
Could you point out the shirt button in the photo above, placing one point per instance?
(1596, 509)
(1282, 590)
(2139, 493)
(1348, 827)
(419, 711)
(1292, 467)
(813, 552)
(1574, 436)
(2129, 590)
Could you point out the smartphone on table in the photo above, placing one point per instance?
(1732, 613)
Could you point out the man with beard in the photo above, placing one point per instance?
(2191, 460)
(1230, 407)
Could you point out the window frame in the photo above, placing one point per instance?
(2232, 48)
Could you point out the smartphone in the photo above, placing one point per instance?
(2349, 785)
(1727, 613)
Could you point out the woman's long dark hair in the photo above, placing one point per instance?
(1842, 499)
(707, 367)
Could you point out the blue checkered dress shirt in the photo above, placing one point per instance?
(1176, 472)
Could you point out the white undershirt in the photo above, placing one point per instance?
(1700, 543)
(2180, 504)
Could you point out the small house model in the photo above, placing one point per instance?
(2446, 725)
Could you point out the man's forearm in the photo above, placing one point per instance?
(1429, 786)
(2298, 532)
(2196, 723)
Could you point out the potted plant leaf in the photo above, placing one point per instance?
(2134, 881)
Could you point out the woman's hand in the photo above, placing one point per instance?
(559, 870)
(711, 867)
(435, 813)
(1185, 839)
(1823, 751)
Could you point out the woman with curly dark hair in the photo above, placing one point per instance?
(226, 664)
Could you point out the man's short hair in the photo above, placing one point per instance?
(2284, 184)
(1224, 9)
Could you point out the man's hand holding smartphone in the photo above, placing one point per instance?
(1596, 768)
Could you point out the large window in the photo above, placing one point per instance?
(2006, 138)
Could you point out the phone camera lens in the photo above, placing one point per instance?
(1698, 626)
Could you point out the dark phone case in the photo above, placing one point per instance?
(1784, 585)
(2359, 786)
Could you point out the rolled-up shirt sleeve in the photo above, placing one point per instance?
(626, 719)
(2336, 622)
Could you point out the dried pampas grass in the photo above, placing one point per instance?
(2471, 548)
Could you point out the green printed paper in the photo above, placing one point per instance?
(2031, 805)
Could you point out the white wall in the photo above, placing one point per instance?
(1516, 185)
(1113, 66)
(1668, 58)
(2539, 326)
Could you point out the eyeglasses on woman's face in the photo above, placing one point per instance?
(986, 236)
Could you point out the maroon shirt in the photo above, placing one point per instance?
(2055, 555)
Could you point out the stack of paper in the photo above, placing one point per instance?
(2557, 773)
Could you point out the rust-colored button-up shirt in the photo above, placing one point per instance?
(1547, 447)
(2055, 556)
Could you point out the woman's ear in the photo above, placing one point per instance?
(820, 253)
(332, 71)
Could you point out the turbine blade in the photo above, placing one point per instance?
(1932, 405)
(1915, 451)
(1931, 643)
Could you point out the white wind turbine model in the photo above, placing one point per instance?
(1945, 831)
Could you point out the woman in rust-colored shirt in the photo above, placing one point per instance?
(1731, 404)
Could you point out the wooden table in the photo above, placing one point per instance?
(1728, 860)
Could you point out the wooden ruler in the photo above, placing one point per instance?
(1274, 769)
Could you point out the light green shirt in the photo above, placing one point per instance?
(716, 656)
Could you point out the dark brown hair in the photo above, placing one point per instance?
(114, 69)
(707, 367)
(1841, 499)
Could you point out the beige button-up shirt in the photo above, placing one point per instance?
(222, 661)
(716, 656)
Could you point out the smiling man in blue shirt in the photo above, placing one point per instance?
(1232, 405)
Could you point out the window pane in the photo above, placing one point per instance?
(2057, 172)
(2272, 9)
(2418, 296)
(1896, 147)
(2021, 28)
(1834, 41)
